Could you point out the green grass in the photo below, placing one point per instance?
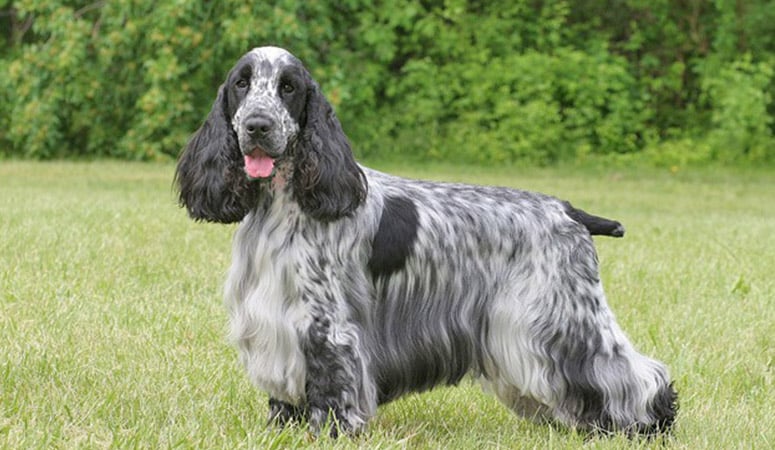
(112, 330)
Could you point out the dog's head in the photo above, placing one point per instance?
(269, 113)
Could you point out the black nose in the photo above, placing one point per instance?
(259, 125)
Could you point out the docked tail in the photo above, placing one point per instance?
(595, 224)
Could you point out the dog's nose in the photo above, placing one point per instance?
(258, 125)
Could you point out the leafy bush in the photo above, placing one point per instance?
(737, 94)
(492, 82)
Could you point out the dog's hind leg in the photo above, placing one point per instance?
(554, 341)
(514, 368)
(582, 373)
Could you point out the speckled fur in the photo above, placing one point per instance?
(350, 287)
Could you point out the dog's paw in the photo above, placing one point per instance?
(282, 413)
(335, 422)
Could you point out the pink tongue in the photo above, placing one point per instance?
(258, 164)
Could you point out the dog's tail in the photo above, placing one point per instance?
(595, 224)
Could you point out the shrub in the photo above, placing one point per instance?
(737, 93)
(492, 82)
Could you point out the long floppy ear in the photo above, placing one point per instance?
(327, 182)
(210, 174)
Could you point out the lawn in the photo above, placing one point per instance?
(112, 329)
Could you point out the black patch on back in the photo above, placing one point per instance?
(595, 224)
(395, 236)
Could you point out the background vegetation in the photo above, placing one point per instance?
(499, 81)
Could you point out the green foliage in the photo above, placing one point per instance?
(738, 97)
(493, 82)
(530, 107)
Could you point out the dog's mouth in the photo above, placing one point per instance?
(259, 165)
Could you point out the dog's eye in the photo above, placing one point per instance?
(287, 88)
(241, 83)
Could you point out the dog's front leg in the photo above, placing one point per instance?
(339, 391)
(282, 413)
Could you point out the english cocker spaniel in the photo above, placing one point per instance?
(350, 287)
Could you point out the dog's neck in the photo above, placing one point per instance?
(279, 179)
(277, 189)
(282, 176)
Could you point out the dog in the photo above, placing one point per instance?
(350, 287)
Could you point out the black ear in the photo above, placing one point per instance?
(327, 182)
(210, 175)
